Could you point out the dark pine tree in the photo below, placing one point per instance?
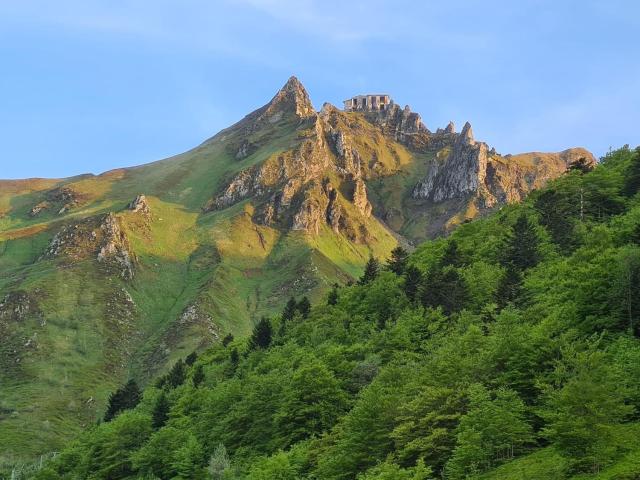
(304, 307)
(176, 376)
(191, 358)
(332, 298)
(521, 248)
(398, 261)
(412, 281)
(452, 256)
(227, 339)
(261, 336)
(371, 271)
(160, 413)
(198, 375)
(288, 314)
(556, 216)
(124, 398)
(289, 310)
(509, 287)
(234, 361)
(444, 288)
(635, 235)
(632, 177)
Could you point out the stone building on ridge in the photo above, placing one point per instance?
(368, 103)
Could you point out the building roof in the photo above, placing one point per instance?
(368, 95)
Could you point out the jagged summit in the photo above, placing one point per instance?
(466, 135)
(291, 98)
(291, 101)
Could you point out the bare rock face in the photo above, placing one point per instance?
(292, 97)
(140, 205)
(312, 212)
(460, 174)
(338, 156)
(471, 168)
(101, 238)
(114, 250)
(60, 200)
(451, 128)
(399, 123)
(17, 306)
(360, 199)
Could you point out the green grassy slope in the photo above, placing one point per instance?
(89, 330)
(516, 356)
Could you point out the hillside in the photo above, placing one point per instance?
(509, 350)
(116, 276)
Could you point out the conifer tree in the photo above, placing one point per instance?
(124, 398)
(227, 339)
(509, 287)
(444, 288)
(160, 413)
(632, 177)
(452, 256)
(412, 281)
(261, 336)
(304, 307)
(398, 261)
(234, 361)
(521, 249)
(176, 376)
(219, 462)
(332, 298)
(198, 375)
(555, 215)
(289, 310)
(371, 271)
(191, 358)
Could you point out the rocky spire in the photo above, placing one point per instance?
(292, 98)
(451, 128)
(466, 135)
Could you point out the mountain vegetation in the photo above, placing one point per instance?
(116, 277)
(507, 350)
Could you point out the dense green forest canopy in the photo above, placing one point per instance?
(508, 350)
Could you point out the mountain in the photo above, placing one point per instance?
(508, 350)
(118, 275)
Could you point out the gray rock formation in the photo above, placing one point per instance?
(140, 205)
(471, 168)
(100, 238)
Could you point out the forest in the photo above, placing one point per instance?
(508, 350)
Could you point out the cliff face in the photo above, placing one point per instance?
(339, 152)
(468, 168)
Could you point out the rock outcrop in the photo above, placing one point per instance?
(338, 153)
(140, 205)
(60, 200)
(101, 238)
(471, 168)
(17, 306)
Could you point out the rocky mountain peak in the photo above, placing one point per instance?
(291, 98)
(451, 128)
(466, 135)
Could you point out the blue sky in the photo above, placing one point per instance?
(86, 86)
